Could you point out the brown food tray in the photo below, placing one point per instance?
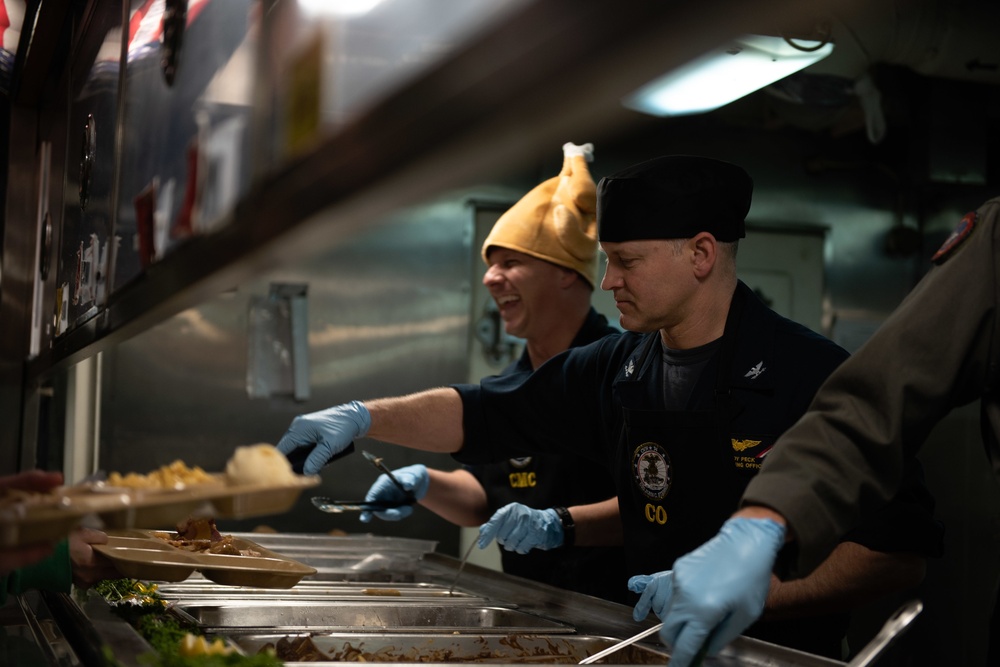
(52, 517)
(41, 520)
(139, 554)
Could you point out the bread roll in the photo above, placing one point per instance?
(259, 464)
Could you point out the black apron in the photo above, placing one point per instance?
(676, 476)
(678, 482)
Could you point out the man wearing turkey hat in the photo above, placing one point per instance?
(541, 258)
(682, 407)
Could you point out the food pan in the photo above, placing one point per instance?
(353, 546)
(307, 616)
(201, 589)
(410, 648)
(353, 557)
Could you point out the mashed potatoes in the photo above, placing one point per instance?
(259, 464)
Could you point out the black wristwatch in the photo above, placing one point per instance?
(569, 528)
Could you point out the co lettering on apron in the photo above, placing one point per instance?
(656, 513)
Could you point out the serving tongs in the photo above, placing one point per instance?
(889, 633)
(620, 645)
(338, 506)
(377, 462)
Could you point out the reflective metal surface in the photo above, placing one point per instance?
(495, 618)
(345, 616)
(405, 648)
(387, 313)
(200, 589)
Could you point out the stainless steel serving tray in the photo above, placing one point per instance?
(351, 558)
(498, 609)
(411, 648)
(313, 616)
(404, 592)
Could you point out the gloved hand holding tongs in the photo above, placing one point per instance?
(391, 497)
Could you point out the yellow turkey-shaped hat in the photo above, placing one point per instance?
(557, 220)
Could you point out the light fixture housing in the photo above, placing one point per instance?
(340, 8)
(726, 74)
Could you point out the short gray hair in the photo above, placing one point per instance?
(727, 249)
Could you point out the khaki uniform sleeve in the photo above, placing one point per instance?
(938, 350)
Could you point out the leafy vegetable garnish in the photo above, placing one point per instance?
(166, 633)
(129, 592)
(163, 632)
(141, 604)
(233, 660)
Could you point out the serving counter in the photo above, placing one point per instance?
(372, 599)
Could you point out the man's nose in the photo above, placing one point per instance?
(610, 280)
(492, 275)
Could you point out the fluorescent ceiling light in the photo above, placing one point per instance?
(343, 8)
(725, 74)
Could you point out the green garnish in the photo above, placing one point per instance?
(129, 592)
(164, 633)
(232, 660)
(141, 604)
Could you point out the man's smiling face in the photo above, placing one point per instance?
(521, 285)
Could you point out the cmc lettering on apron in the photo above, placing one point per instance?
(519, 478)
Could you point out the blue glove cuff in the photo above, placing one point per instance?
(766, 530)
(421, 481)
(361, 417)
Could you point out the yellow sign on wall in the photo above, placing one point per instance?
(303, 103)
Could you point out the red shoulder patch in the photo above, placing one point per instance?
(959, 234)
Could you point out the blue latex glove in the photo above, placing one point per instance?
(331, 431)
(655, 590)
(415, 478)
(717, 590)
(519, 528)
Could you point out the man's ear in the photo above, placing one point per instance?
(704, 253)
(568, 277)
